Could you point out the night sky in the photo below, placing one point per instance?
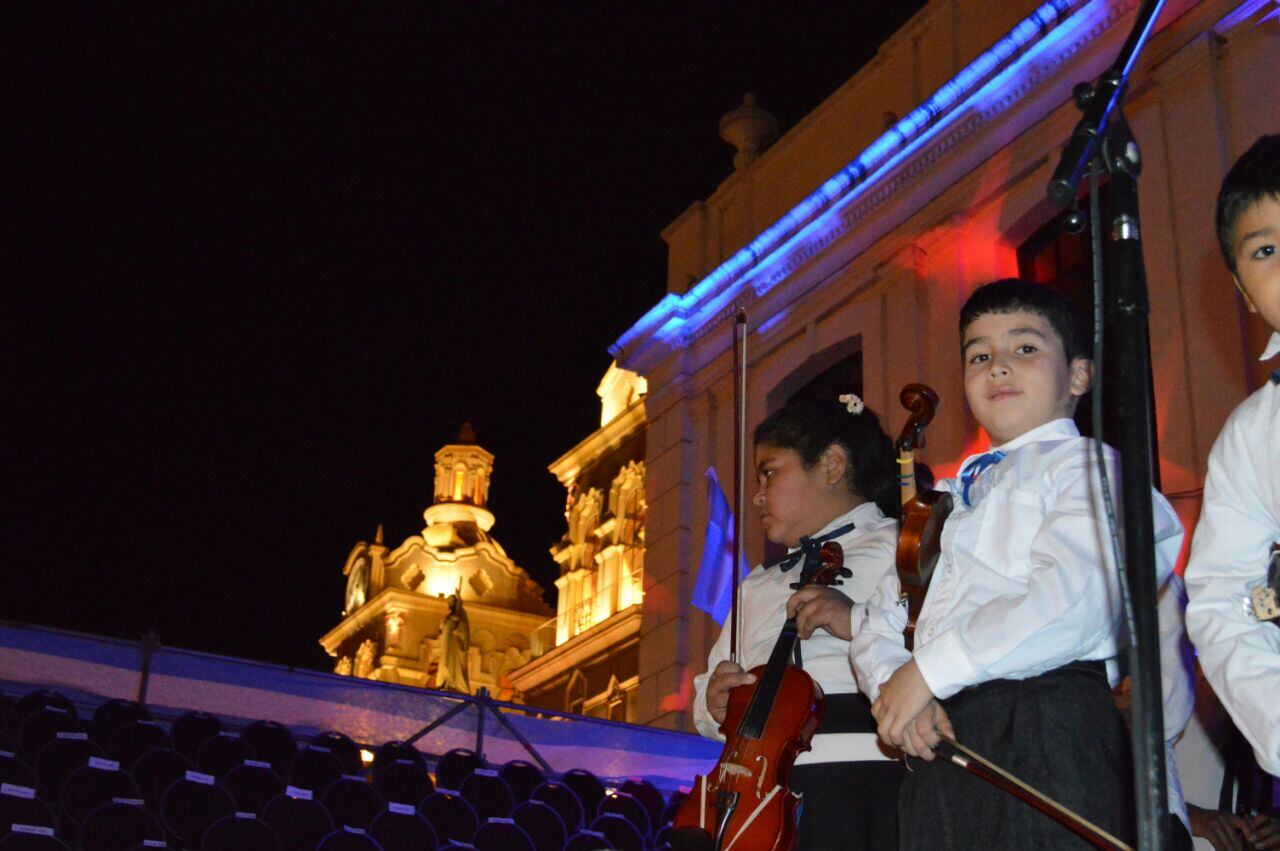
(259, 261)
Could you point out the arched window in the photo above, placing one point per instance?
(575, 696)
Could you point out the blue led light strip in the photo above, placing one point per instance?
(669, 316)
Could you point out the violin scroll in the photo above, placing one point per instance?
(922, 403)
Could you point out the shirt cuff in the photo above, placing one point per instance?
(945, 665)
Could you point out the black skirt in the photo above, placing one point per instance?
(1059, 732)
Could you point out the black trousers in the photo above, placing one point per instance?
(1060, 732)
(848, 806)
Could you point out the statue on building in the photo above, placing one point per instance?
(455, 642)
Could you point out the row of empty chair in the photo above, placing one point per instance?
(121, 780)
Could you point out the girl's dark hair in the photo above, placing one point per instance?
(809, 426)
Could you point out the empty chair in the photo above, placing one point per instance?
(134, 738)
(192, 804)
(543, 824)
(401, 828)
(588, 840)
(92, 785)
(348, 839)
(314, 768)
(118, 826)
(43, 726)
(341, 746)
(488, 793)
(18, 805)
(193, 729)
(221, 753)
(561, 799)
(37, 700)
(620, 803)
(271, 742)
(648, 795)
(31, 842)
(240, 832)
(674, 803)
(16, 771)
(455, 766)
(523, 777)
(300, 822)
(621, 833)
(113, 714)
(155, 771)
(352, 802)
(391, 752)
(662, 839)
(404, 782)
(60, 757)
(502, 834)
(252, 785)
(587, 787)
(450, 815)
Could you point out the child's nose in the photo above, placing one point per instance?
(758, 499)
(998, 368)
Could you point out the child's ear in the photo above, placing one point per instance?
(1081, 376)
(834, 464)
(1248, 302)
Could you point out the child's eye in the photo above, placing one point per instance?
(1263, 252)
(1027, 349)
(979, 359)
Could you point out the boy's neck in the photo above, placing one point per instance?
(997, 443)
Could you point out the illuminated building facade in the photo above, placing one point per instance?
(396, 600)
(853, 240)
(587, 657)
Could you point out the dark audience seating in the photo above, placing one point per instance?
(118, 779)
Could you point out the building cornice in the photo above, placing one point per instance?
(995, 82)
(410, 602)
(600, 638)
(567, 466)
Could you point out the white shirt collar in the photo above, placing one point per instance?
(1273, 347)
(1063, 427)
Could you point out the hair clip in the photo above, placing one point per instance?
(852, 403)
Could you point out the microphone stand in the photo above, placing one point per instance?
(1103, 138)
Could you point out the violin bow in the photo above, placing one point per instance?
(983, 768)
(739, 466)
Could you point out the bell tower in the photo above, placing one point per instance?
(463, 472)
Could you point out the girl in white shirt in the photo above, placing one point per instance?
(825, 471)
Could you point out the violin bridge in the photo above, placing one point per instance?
(732, 769)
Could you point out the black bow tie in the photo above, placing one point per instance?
(808, 553)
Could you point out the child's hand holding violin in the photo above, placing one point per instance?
(727, 675)
(908, 716)
(821, 606)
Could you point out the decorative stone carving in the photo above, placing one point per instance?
(750, 129)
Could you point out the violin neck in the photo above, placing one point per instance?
(907, 475)
(757, 714)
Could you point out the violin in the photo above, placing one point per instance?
(923, 512)
(745, 801)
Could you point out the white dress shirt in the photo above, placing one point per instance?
(1026, 582)
(1177, 684)
(1239, 522)
(869, 553)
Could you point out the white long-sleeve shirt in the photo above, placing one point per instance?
(869, 553)
(1238, 524)
(1026, 581)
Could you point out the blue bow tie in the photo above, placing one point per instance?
(975, 468)
(808, 551)
(1275, 377)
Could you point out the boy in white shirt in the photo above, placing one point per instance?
(1016, 642)
(1240, 655)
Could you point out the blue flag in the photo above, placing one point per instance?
(713, 591)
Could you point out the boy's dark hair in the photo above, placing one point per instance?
(809, 426)
(1255, 176)
(1013, 294)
